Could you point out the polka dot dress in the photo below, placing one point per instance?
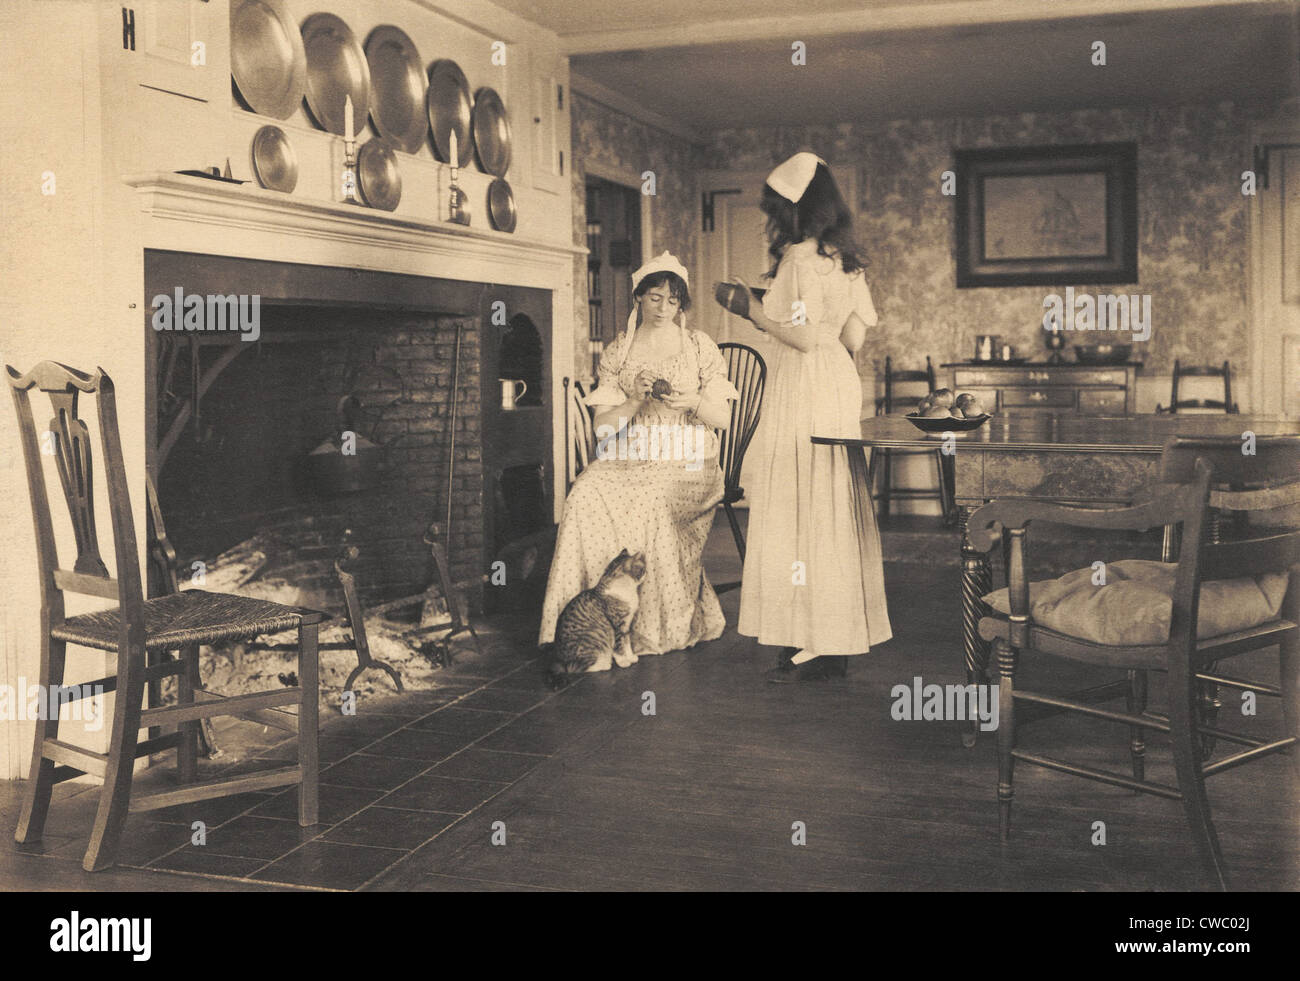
(663, 507)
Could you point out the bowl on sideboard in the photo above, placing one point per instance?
(1102, 353)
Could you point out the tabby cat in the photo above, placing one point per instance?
(595, 626)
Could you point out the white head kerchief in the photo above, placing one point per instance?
(664, 262)
(792, 178)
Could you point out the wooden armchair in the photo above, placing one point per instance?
(180, 622)
(1194, 638)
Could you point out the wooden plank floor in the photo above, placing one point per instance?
(595, 795)
(703, 795)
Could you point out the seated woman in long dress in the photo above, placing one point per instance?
(656, 481)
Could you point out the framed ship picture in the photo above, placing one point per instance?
(1047, 215)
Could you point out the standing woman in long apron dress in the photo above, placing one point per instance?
(813, 584)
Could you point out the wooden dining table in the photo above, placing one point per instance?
(1092, 461)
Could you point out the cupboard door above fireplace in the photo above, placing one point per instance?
(550, 127)
(181, 47)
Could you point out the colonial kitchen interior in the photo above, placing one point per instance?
(351, 266)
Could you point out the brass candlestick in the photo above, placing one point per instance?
(350, 171)
(458, 203)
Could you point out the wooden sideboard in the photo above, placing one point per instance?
(1079, 389)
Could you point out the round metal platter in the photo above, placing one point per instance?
(448, 108)
(336, 68)
(501, 206)
(378, 177)
(491, 132)
(397, 88)
(274, 162)
(267, 58)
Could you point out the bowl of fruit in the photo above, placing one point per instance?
(943, 411)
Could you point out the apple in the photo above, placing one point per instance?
(938, 412)
(974, 409)
(957, 413)
(944, 397)
(965, 399)
(923, 406)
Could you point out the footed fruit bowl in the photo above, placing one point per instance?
(948, 424)
(933, 415)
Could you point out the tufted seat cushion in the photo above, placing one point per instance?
(1135, 605)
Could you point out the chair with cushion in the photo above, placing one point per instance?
(134, 629)
(882, 459)
(1201, 371)
(1220, 600)
(748, 372)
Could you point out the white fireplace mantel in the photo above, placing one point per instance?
(194, 214)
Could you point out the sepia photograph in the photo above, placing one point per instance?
(585, 446)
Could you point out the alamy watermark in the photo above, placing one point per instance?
(28, 703)
(669, 442)
(183, 311)
(930, 703)
(1108, 311)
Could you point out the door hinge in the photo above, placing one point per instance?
(1261, 159)
(706, 206)
(128, 29)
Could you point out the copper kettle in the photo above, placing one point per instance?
(346, 462)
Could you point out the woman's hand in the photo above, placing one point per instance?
(682, 401)
(644, 383)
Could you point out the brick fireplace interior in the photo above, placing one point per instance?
(236, 469)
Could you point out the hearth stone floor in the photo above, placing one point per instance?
(492, 781)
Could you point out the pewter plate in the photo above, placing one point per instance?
(336, 68)
(491, 132)
(274, 162)
(397, 88)
(448, 107)
(378, 177)
(501, 206)
(267, 59)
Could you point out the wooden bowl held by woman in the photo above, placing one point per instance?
(735, 298)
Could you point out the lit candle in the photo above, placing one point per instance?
(347, 117)
(454, 155)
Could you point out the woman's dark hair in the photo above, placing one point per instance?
(677, 288)
(821, 214)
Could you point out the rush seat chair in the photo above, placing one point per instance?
(133, 630)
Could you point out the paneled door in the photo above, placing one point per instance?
(1276, 347)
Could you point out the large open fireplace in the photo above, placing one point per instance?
(367, 411)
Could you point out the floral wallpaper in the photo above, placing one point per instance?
(617, 140)
(1193, 234)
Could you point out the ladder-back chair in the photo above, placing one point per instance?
(882, 459)
(178, 622)
(1201, 371)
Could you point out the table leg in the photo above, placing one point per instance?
(976, 580)
(862, 503)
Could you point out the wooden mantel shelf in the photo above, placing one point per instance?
(180, 197)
